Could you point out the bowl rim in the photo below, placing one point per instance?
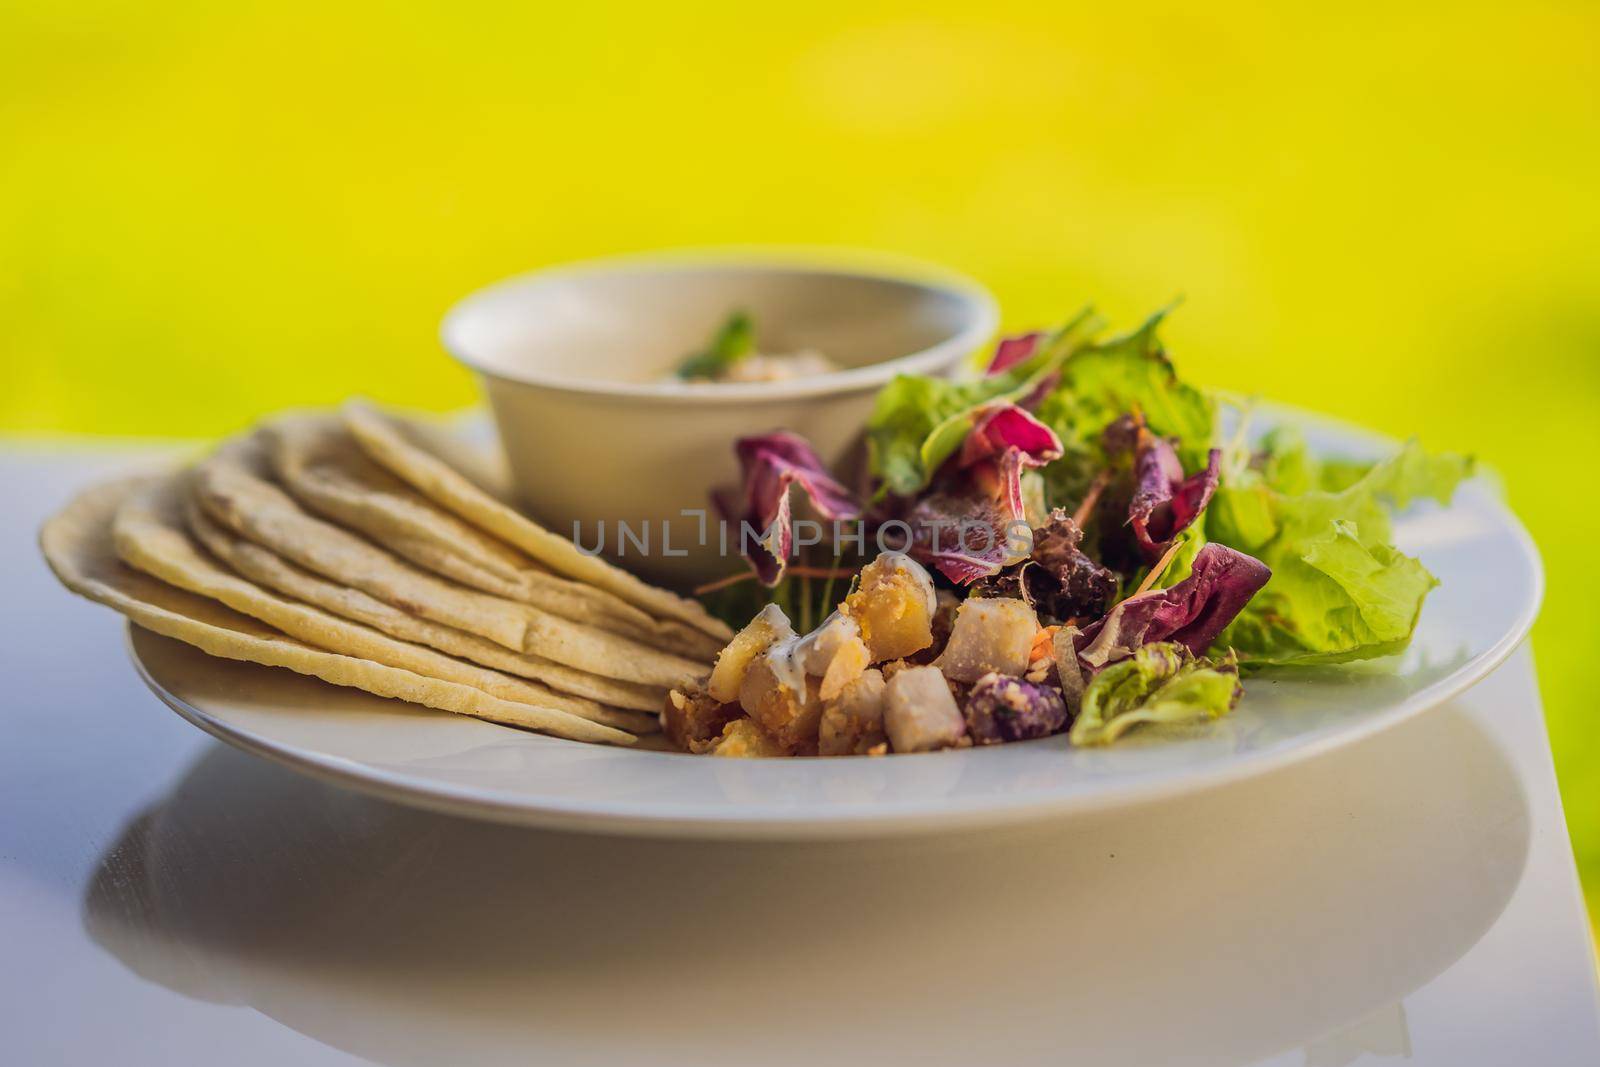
(977, 303)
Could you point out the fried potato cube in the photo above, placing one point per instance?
(769, 626)
(990, 634)
(744, 739)
(836, 653)
(790, 713)
(919, 712)
(894, 606)
(692, 719)
(852, 721)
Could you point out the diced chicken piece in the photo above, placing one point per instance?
(989, 635)
(783, 700)
(769, 626)
(894, 606)
(743, 739)
(852, 722)
(692, 719)
(920, 714)
(835, 653)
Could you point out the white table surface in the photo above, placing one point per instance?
(166, 900)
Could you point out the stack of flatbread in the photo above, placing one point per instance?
(375, 551)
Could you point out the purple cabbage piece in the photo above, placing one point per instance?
(1000, 708)
(770, 463)
(1191, 613)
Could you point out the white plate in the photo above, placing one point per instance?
(1491, 584)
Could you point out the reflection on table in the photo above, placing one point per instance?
(1294, 910)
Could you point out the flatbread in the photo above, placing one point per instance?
(77, 543)
(232, 489)
(266, 568)
(149, 535)
(319, 462)
(406, 453)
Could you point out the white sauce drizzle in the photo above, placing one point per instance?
(790, 656)
(787, 664)
(787, 655)
(899, 561)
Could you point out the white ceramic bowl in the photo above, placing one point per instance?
(575, 362)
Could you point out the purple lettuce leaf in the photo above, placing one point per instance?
(962, 531)
(770, 464)
(1164, 501)
(1191, 613)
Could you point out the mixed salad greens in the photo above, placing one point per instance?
(1078, 549)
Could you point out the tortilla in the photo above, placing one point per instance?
(322, 466)
(408, 453)
(266, 568)
(148, 533)
(78, 546)
(230, 488)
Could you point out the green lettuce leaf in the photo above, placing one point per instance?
(1160, 683)
(1339, 590)
(1288, 465)
(917, 423)
(904, 419)
(1190, 541)
(1103, 382)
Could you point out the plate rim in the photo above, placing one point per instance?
(928, 816)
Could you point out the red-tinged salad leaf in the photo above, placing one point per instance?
(967, 527)
(966, 532)
(1000, 426)
(770, 464)
(1161, 682)
(1164, 501)
(1191, 613)
(987, 430)
(1005, 441)
(1013, 350)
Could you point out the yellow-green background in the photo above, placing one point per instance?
(1391, 213)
